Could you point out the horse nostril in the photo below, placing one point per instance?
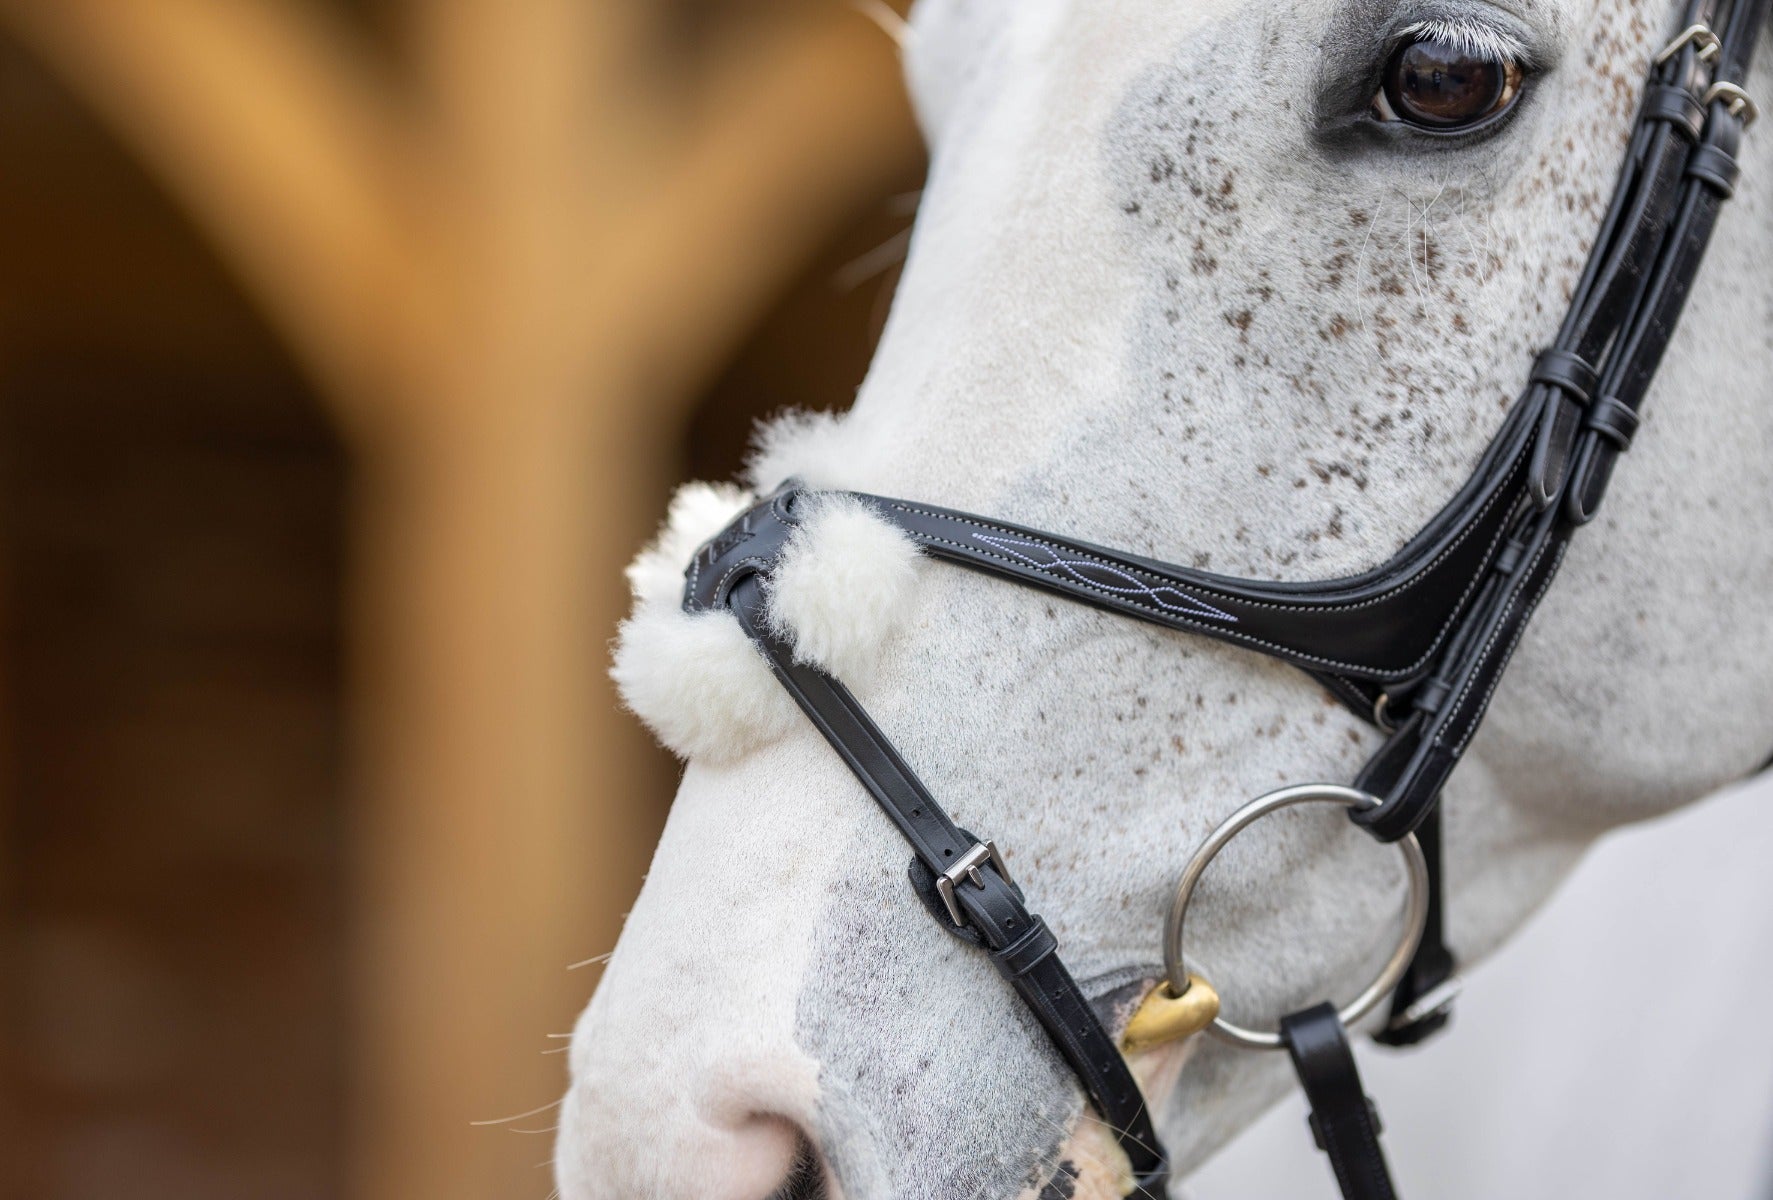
(765, 1158)
(806, 1179)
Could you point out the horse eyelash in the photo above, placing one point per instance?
(1477, 38)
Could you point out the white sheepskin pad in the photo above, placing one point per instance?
(696, 680)
(844, 580)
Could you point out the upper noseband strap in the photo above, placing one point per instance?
(729, 573)
(1377, 629)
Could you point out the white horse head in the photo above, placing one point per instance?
(1177, 286)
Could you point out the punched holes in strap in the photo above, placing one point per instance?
(1568, 372)
(1677, 106)
(1614, 420)
(1716, 167)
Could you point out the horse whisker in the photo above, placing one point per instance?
(861, 269)
(1119, 1133)
(1065, 1135)
(1360, 258)
(890, 22)
(519, 1116)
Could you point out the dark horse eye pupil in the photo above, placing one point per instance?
(1441, 86)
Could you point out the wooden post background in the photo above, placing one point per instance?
(528, 237)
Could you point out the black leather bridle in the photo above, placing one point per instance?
(1416, 646)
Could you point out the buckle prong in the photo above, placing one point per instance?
(1430, 1002)
(1738, 102)
(968, 868)
(1709, 44)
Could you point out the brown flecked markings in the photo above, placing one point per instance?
(1370, 306)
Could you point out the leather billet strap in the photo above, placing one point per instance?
(1708, 179)
(1586, 392)
(1344, 1121)
(1021, 946)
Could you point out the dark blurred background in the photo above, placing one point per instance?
(348, 349)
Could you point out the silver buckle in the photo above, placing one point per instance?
(1431, 1002)
(968, 867)
(1382, 713)
(1741, 104)
(1709, 45)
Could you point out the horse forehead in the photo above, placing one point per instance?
(968, 53)
(965, 53)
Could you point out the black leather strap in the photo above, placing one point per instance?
(1567, 370)
(1021, 946)
(1377, 628)
(1623, 253)
(1344, 1121)
(1644, 335)
(1626, 308)
(1414, 1016)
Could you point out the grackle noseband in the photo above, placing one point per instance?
(1415, 646)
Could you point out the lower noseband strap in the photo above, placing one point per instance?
(1344, 1121)
(965, 874)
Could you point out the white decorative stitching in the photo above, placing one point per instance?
(1134, 586)
(1513, 644)
(1415, 578)
(1292, 653)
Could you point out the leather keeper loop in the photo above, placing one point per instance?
(1677, 106)
(1317, 1129)
(1614, 420)
(1568, 372)
(1026, 952)
(1714, 166)
(1509, 561)
(1429, 698)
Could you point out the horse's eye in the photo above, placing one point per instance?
(1444, 87)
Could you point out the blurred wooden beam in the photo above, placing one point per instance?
(597, 276)
(266, 121)
(511, 792)
(511, 809)
(511, 278)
